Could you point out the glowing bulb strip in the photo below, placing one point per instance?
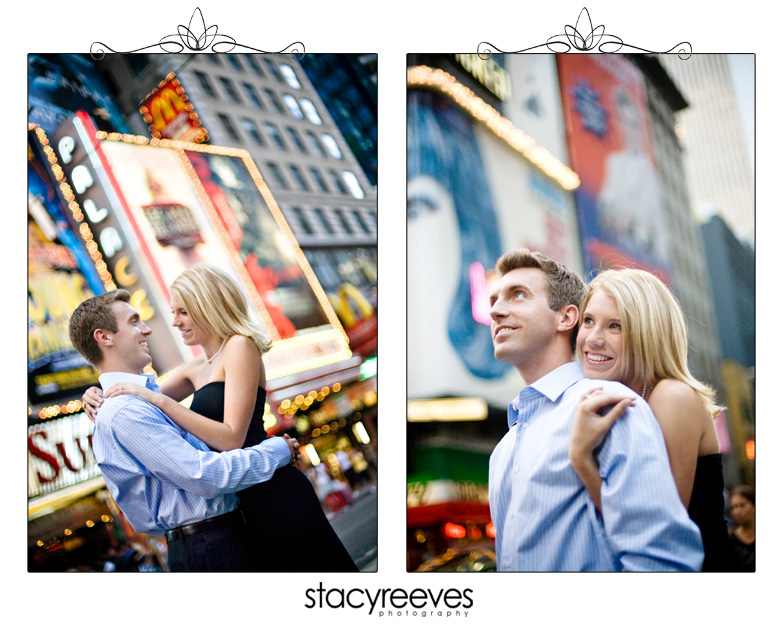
(76, 211)
(58, 411)
(446, 84)
(302, 366)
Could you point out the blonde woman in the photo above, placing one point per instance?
(228, 386)
(632, 330)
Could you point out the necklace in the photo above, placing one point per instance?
(209, 359)
(644, 389)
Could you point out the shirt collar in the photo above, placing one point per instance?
(552, 385)
(557, 381)
(108, 379)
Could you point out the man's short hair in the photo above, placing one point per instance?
(564, 287)
(94, 313)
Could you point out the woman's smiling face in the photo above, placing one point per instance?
(192, 334)
(600, 341)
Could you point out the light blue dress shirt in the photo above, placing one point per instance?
(161, 476)
(544, 517)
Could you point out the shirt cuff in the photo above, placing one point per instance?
(281, 449)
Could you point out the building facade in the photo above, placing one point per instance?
(716, 154)
(690, 278)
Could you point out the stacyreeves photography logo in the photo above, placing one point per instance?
(419, 602)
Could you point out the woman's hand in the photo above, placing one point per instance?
(92, 399)
(591, 424)
(132, 388)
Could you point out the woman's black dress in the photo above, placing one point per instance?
(288, 526)
(706, 509)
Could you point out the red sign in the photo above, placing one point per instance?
(60, 454)
(170, 115)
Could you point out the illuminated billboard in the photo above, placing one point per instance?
(59, 454)
(478, 186)
(185, 203)
(55, 288)
(608, 128)
(59, 85)
(60, 276)
(148, 209)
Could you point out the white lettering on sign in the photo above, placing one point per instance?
(66, 146)
(111, 241)
(95, 214)
(81, 178)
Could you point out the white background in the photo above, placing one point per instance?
(392, 29)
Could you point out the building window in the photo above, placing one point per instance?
(353, 184)
(229, 87)
(273, 69)
(344, 221)
(214, 59)
(290, 75)
(296, 139)
(291, 103)
(324, 268)
(297, 176)
(274, 134)
(227, 124)
(273, 98)
(316, 175)
(277, 175)
(361, 221)
(254, 65)
(235, 62)
(338, 182)
(332, 145)
(322, 217)
(310, 110)
(252, 130)
(252, 96)
(316, 144)
(205, 83)
(302, 221)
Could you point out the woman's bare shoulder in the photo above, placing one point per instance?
(673, 388)
(239, 344)
(675, 395)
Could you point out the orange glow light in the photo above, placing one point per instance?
(452, 530)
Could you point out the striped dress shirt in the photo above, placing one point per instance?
(544, 517)
(161, 476)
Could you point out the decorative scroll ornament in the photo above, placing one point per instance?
(196, 37)
(583, 37)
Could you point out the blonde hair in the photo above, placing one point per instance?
(653, 329)
(216, 302)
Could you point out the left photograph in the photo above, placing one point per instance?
(202, 294)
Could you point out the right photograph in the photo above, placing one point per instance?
(580, 312)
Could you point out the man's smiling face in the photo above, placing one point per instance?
(523, 324)
(130, 340)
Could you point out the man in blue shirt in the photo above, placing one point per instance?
(164, 480)
(544, 517)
